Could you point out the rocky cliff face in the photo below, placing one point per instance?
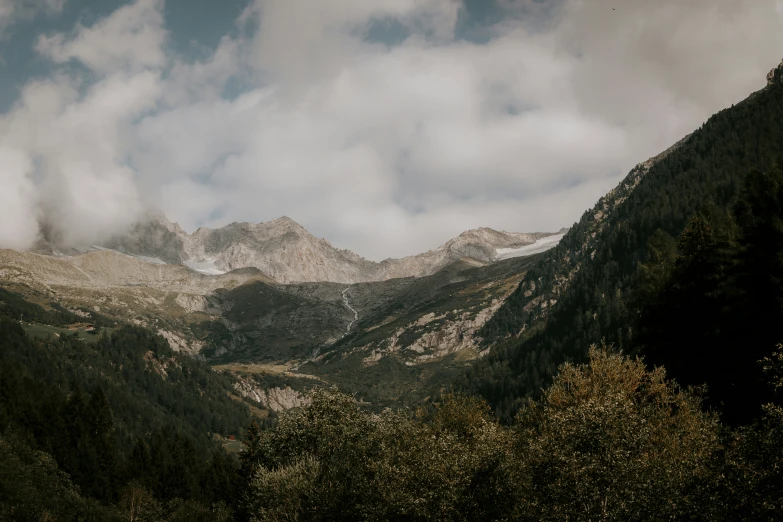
(775, 75)
(288, 253)
(156, 237)
(105, 269)
(275, 399)
(281, 248)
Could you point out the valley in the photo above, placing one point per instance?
(392, 341)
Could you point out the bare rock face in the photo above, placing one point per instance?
(480, 245)
(453, 336)
(106, 269)
(155, 237)
(775, 75)
(275, 399)
(283, 250)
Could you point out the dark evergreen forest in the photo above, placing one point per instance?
(83, 426)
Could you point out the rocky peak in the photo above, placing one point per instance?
(493, 239)
(775, 75)
(285, 225)
(286, 222)
(483, 234)
(154, 236)
(285, 251)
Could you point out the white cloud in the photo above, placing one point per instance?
(131, 38)
(17, 201)
(77, 140)
(86, 189)
(300, 43)
(387, 150)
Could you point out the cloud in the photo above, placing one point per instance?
(6, 11)
(17, 201)
(684, 60)
(131, 38)
(86, 191)
(299, 42)
(77, 137)
(387, 148)
(13, 10)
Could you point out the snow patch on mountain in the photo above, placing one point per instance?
(541, 245)
(207, 266)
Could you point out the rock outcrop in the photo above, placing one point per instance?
(775, 75)
(154, 237)
(275, 399)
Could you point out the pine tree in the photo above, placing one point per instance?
(248, 467)
(102, 442)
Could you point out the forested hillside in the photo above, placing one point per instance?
(87, 427)
(584, 289)
(710, 305)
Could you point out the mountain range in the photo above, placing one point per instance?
(285, 251)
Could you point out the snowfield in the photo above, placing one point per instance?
(207, 266)
(541, 245)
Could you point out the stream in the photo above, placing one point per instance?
(351, 308)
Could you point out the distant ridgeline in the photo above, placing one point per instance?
(590, 286)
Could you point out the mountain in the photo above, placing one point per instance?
(281, 339)
(288, 253)
(586, 288)
(406, 327)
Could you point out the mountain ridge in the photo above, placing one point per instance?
(288, 253)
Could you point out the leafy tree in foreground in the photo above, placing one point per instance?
(331, 460)
(33, 488)
(610, 440)
(753, 471)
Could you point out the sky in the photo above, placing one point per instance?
(384, 126)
